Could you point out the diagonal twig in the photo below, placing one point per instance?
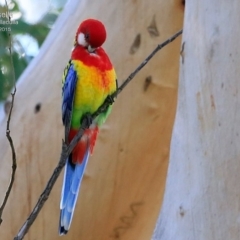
(66, 150)
(14, 164)
(14, 160)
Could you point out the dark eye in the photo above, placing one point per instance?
(87, 36)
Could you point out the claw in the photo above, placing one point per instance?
(88, 118)
(110, 99)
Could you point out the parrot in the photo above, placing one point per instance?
(88, 81)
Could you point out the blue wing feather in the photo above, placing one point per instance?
(68, 91)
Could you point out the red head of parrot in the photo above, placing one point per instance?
(91, 34)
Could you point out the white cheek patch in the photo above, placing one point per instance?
(81, 40)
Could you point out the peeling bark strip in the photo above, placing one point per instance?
(182, 53)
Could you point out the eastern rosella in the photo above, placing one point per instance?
(88, 80)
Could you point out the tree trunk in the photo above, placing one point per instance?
(123, 185)
(202, 193)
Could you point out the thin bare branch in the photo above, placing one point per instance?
(14, 160)
(66, 150)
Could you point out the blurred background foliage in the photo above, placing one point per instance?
(26, 40)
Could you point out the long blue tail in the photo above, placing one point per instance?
(71, 184)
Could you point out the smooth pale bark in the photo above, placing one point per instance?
(123, 185)
(202, 191)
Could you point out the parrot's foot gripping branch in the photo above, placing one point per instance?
(88, 119)
(109, 99)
